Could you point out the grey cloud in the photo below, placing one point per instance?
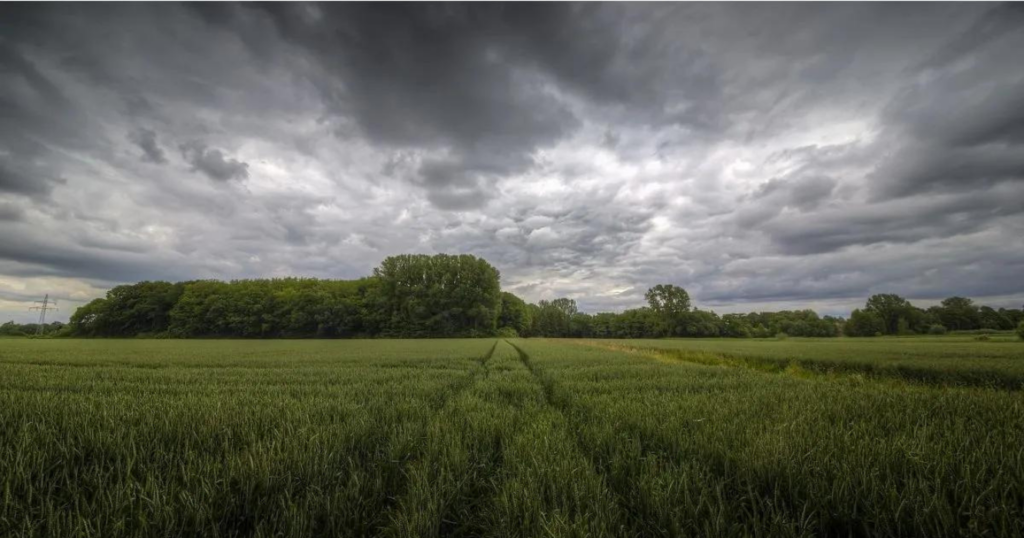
(1003, 19)
(916, 169)
(33, 257)
(958, 124)
(426, 76)
(33, 110)
(145, 139)
(11, 212)
(213, 163)
(804, 153)
(901, 221)
(17, 181)
(800, 192)
(484, 84)
(918, 271)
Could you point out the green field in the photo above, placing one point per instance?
(947, 360)
(879, 437)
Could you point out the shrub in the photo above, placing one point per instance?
(507, 332)
(982, 338)
(781, 336)
(937, 329)
(1020, 330)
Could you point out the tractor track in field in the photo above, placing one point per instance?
(436, 412)
(629, 508)
(573, 428)
(466, 381)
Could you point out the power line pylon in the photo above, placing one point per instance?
(45, 306)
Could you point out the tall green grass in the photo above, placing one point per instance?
(698, 450)
(940, 360)
(487, 438)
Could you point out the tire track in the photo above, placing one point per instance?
(573, 430)
(417, 483)
(631, 503)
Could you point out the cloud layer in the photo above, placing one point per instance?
(762, 156)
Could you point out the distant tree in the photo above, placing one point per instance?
(959, 314)
(603, 325)
(668, 299)
(581, 325)
(670, 303)
(514, 314)
(760, 331)
(989, 318)
(440, 295)
(890, 308)
(90, 319)
(131, 309)
(638, 323)
(698, 324)
(12, 329)
(864, 323)
(1015, 315)
(735, 326)
(554, 318)
(1020, 330)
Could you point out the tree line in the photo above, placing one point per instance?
(410, 296)
(888, 313)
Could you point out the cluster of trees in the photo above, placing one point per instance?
(27, 329)
(669, 313)
(889, 313)
(456, 296)
(407, 296)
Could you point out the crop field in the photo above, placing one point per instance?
(518, 437)
(947, 360)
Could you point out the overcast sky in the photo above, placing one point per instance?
(761, 156)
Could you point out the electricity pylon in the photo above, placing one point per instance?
(45, 306)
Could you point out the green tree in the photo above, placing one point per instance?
(143, 307)
(670, 303)
(959, 314)
(514, 314)
(554, 318)
(1015, 315)
(989, 318)
(88, 319)
(864, 323)
(440, 295)
(890, 308)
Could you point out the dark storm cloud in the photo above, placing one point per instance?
(212, 162)
(10, 212)
(151, 151)
(959, 124)
(428, 77)
(483, 84)
(17, 181)
(35, 113)
(33, 257)
(895, 222)
(784, 152)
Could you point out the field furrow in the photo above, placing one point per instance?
(696, 450)
(496, 438)
(499, 462)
